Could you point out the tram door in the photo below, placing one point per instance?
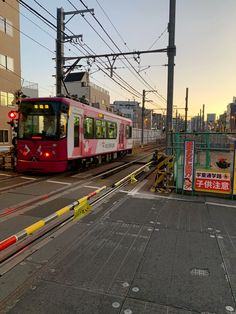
(121, 136)
(74, 136)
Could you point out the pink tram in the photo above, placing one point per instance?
(58, 133)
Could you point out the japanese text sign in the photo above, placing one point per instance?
(212, 181)
(188, 165)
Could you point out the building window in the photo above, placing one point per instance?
(6, 26)
(3, 136)
(6, 99)
(6, 63)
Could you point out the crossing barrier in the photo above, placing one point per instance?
(80, 207)
(163, 173)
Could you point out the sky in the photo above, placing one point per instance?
(205, 37)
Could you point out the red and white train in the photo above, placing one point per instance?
(56, 134)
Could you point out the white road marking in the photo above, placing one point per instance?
(137, 188)
(28, 178)
(220, 204)
(58, 182)
(6, 175)
(92, 187)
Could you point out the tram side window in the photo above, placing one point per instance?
(128, 131)
(63, 123)
(112, 130)
(76, 132)
(100, 129)
(88, 127)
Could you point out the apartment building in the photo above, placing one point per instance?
(10, 70)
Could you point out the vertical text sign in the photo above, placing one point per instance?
(188, 165)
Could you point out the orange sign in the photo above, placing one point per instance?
(188, 165)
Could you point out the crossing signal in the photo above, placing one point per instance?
(12, 114)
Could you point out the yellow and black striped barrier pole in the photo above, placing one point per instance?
(80, 207)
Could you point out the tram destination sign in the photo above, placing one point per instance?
(212, 181)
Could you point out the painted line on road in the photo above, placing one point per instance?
(91, 187)
(137, 188)
(28, 178)
(6, 175)
(58, 182)
(220, 204)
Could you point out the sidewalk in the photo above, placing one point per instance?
(138, 253)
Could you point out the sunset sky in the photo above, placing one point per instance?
(205, 41)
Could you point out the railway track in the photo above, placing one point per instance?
(22, 207)
(13, 255)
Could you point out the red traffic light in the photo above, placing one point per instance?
(12, 114)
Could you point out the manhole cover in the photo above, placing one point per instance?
(200, 272)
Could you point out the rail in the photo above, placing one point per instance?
(80, 208)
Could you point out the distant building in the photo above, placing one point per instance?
(231, 116)
(157, 121)
(10, 71)
(128, 109)
(222, 122)
(211, 121)
(30, 89)
(131, 109)
(195, 124)
(78, 85)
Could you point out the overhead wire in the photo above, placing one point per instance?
(146, 83)
(50, 24)
(36, 12)
(118, 33)
(158, 38)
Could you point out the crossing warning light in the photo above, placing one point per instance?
(12, 114)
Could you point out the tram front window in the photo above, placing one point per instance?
(37, 125)
(39, 120)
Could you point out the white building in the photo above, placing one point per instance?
(78, 85)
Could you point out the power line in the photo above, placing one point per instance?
(113, 25)
(33, 11)
(158, 38)
(37, 42)
(147, 84)
(29, 19)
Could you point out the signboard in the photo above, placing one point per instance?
(188, 165)
(212, 181)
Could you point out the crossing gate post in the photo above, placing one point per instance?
(164, 173)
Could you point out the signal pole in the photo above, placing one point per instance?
(171, 52)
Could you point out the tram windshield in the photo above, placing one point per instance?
(42, 120)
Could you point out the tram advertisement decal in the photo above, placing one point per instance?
(188, 165)
(212, 181)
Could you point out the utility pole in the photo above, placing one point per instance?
(61, 39)
(203, 118)
(200, 116)
(171, 52)
(186, 111)
(143, 110)
(142, 122)
(59, 50)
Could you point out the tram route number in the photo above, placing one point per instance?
(81, 210)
